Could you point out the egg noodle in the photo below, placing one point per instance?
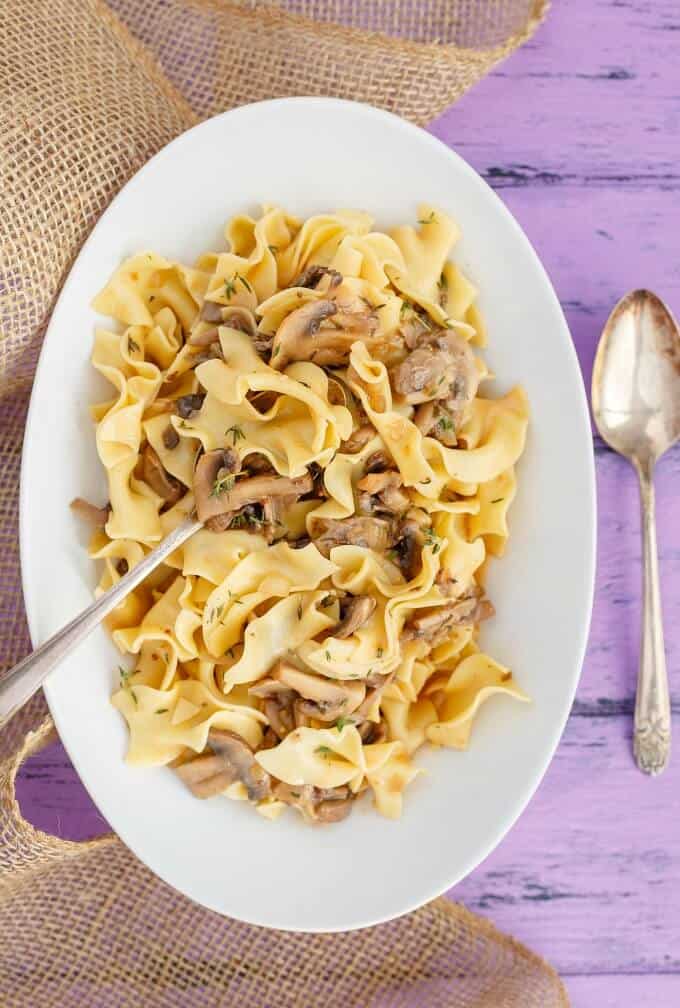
(313, 394)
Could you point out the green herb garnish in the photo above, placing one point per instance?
(133, 347)
(442, 283)
(428, 220)
(379, 652)
(273, 249)
(299, 610)
(324, 750)
(162, 710)
(222, 485)
(498, 500)
(446, 423)
(236, 434)
(328, 656)
(433, 540)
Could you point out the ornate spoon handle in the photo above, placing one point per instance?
(21, 682)
(652, 730)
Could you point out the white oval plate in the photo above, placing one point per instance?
(311, 155)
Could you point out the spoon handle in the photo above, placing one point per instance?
(21, 682)
(652, 730)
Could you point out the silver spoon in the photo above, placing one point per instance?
(636, 405)
(21, 682)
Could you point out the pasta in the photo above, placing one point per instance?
(313, 395)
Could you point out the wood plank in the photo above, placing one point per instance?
(590, 875)
(624, 990)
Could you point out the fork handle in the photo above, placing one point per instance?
(21, 682)
(652, 726)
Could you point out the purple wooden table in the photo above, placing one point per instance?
(580, 133)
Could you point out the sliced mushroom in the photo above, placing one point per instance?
(211, 500)
(170, 437)
(318, 805)
(379, 461)
(279, 712)
(239, 757)
(313, 274)
(212, 467)
(326, 699)
(411, 536)
(370, 533)
(434, 623)
(441, 367)
(97, 516)
(205, 337)
(380, 493)
(355, 611)
(188, 404)
(160, 481)
(273, 511)
(295, 338)
(423, 417)
(207, 775)
(358, 439)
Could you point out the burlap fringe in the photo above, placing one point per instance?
(85, 104)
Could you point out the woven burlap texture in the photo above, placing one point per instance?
(84, 104)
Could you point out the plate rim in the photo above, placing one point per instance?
(589, 505)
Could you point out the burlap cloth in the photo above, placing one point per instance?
(84, 102)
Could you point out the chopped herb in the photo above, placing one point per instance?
(406, 306)
(393, 554)
(236, 434)
(238, 601)
(341, 722)
(327, 601)
(162, 710)
(433, 540)
(124, 675)
(426, 481)
(299, 610)
(324, 750)
(443, 283)
(498, 500)
(166, 657)
(428, 220)
(379, 652)
(304, 383)
(230, 288)
(273, 249)
(134, 697)
(276, 350)
(377, 307)
(295, 794)
(328, 656)
(244, 282)
(222, 485)
(133, 347)
(446, 423)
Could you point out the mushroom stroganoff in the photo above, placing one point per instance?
(313, 394)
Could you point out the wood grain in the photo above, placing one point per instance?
(580, 134)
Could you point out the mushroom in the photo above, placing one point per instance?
(295, 337)
(370, 533)
(355, 610)
(207, 775)
(239, 757)
(160, 481)
(318, 805)
(322, 698)
(312, 275)
(358, 439)
(441, 366)
(97, 516)
(433, 623)
(170, 437)
(204, 338)
(411, 535)
(188, 404)
(217, 495)
(380, 493)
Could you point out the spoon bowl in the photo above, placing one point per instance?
(636, 379)
(636, 406)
